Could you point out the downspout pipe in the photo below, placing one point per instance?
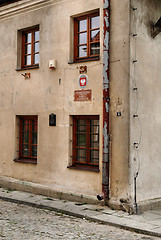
(106, 99)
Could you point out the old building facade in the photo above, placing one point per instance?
(79, 99)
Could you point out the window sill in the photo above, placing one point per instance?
(25, 160)
(85, 60)
(84, 168)
(26, 68)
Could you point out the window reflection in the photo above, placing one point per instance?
(95, 36)
(83, 25)
(95, 48)
(37, 36)
(95, 22)
(28, 38)
(83, 51)
(82, 38)
(36, 58)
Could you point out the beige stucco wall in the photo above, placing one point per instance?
(145, 75)
(44, 93)
(119, 100)
(52, 91)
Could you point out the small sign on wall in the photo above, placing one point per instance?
(82, 95)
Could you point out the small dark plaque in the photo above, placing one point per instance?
(52, 119)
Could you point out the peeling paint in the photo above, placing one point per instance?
(105, 162)
(106, 41)
(106, 138)
(107, 107)
(106, 4)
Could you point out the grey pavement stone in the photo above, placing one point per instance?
(148, 223)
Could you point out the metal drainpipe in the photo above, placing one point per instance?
(105, 158)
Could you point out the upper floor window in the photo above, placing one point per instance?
(87, 37)
(30, 48)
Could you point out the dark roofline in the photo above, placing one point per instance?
(5, 2)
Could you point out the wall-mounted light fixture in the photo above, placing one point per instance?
(52, 119)
(156, 28)
(52, 64)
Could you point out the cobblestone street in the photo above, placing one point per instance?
(19, 222)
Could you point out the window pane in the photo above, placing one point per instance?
(28, 38)
(37, 36)
(94, 157)
(34, 132)
(36, 58)
(25, 150)
(82, 51)
(34, 151)
(28, 60)
(81, 140)
(95, 36)
(82, 38)
(95, 22)
(25, 132)
(81, 156)
(95, 126)
(36, 48)
(28, 49)
(25, 137)
(82, 25)
(95, 49)
(81, 125)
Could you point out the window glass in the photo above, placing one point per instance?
(28, 49)
(36, 49)
(82, 38)
(37, 36)
(95, 49)
(28, 38)
(28, 60)
(83, 25)
(25, 150)
(36, 58)
(82, 51)
(95, 36)
(81, 156)
(95, 22)
(34, 151)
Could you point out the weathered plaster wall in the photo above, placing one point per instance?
(145, 75)
(119, 100)
(46, 92)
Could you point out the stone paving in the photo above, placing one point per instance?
(21, 222)
(148, 223)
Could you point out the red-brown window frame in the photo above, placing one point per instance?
(88, 148)
(21, 157)
(76, 33)
(32, 31)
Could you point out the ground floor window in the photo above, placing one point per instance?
(27, 139)
(85, 147)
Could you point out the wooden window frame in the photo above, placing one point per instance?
(89, 42)
(30, 158)
(32, 65)
(88, 165)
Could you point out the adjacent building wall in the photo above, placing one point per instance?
(145, 102)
